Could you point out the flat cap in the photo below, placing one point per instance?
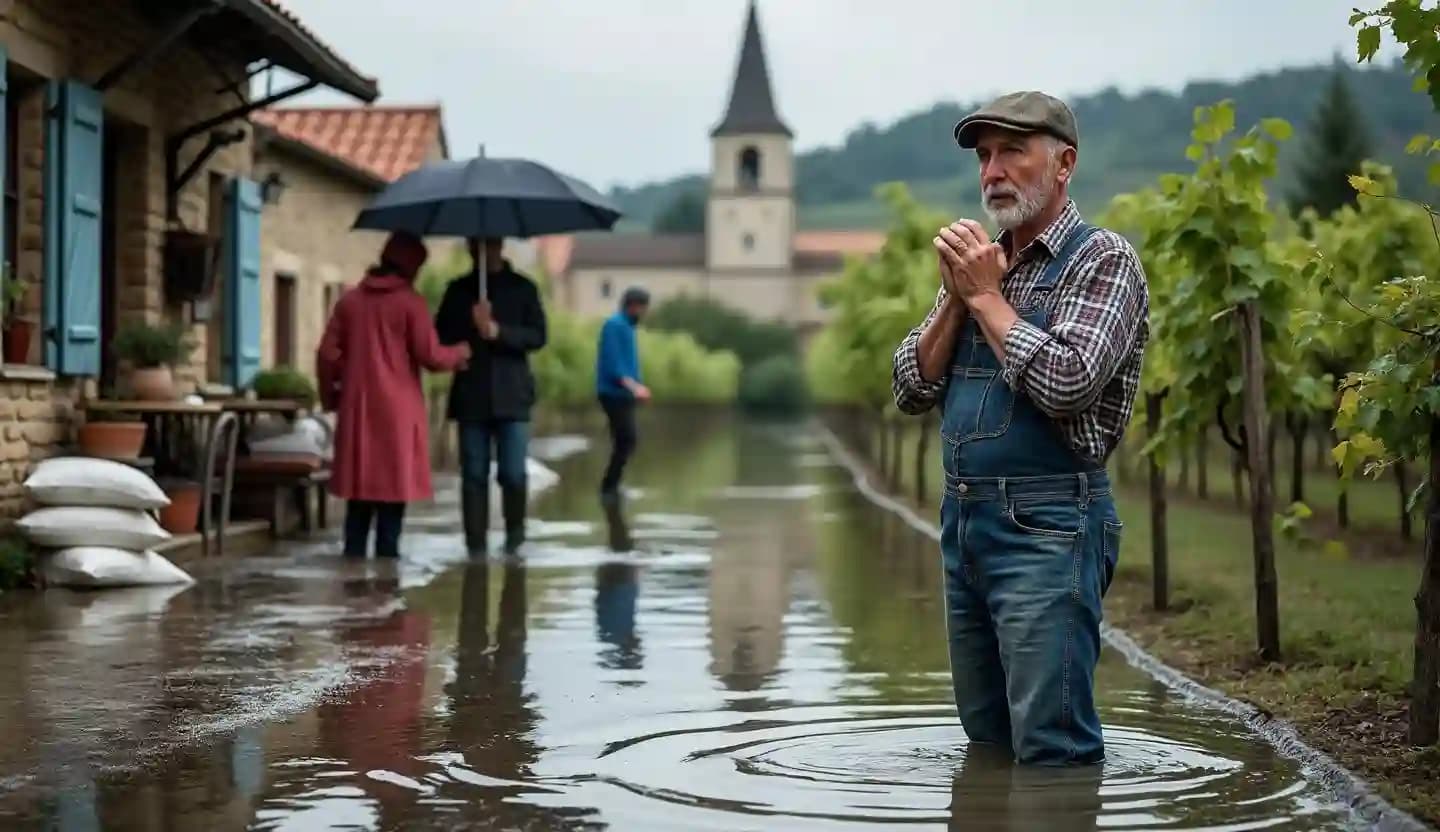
(1027, 111)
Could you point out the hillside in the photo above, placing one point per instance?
(1126, 141)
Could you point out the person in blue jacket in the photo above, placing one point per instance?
(617, 384)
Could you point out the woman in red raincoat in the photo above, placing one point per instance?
(378, 339)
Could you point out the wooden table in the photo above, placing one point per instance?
(248, 409)
(168, 425)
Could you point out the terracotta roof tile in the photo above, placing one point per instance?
(839, 242)
(388, 141)
(814, 251)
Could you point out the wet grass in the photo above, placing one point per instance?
(1347, 630)
(1347, 617)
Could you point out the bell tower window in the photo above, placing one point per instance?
(749, 174)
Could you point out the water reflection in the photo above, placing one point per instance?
(990, 792)
(375, 728)
(747, 645)
(491, 717)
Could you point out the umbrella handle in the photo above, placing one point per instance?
(482, 275)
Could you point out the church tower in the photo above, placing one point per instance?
(750, 217)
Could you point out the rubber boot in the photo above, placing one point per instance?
(512, 502)
(475, 511)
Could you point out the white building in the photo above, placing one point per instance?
(750, 255)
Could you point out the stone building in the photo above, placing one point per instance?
(126, 136)
(750, 256)
(329, 162)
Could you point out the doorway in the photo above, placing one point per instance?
(284, 319)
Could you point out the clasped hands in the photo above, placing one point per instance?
(971, 266)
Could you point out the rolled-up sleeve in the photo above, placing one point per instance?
(1093, 322)
(913, 394)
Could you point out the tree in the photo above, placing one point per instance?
(718, 326)
(1136, 213)
(684, 214)
(1392, 408)
(1338, 144)
(1358, 249)
(1233, 288)
(876, 302)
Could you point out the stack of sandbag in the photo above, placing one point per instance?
(311, 436)
(94, 517)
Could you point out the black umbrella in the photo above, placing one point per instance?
(484, 197)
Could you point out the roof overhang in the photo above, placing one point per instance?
(251, 32)
(293, 47)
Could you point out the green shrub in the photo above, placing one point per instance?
(775, 384)
(284, 383)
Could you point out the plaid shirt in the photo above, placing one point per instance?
(1085, 369)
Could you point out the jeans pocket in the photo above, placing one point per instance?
(1056, 517)
(1111, 553)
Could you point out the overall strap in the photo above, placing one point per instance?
(1056, 267)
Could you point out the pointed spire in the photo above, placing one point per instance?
(752, 106)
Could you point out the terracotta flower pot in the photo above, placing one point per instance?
(115, 440)
(17, 342)
(183, 514)
(153, 384)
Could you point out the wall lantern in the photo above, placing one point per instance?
(272, 188)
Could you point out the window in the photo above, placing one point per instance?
(333, 291)
(748, 241)
(605, 288)
(284, 319)
(749, 169)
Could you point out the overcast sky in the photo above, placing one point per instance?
(626, 91)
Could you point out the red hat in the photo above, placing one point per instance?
(405, 253)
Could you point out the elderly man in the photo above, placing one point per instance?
(1033, 351)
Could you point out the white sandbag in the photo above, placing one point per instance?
(310, 436)
(538, 479)
(97, 566)
(61, 527)
(86, 481)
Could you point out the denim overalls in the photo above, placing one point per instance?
(1029, 543)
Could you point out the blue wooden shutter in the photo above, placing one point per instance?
(5, 256)
(242, 283)
(74, 165)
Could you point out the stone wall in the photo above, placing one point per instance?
(83, 39)
(307, 235)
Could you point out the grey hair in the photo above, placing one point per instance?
(1055, 145)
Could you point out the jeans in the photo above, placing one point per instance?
(1026, 564)
(620, 412)
(387, 518)
(511, 440)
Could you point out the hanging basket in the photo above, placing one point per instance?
(191, 262)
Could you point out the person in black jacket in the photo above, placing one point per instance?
(491, 399)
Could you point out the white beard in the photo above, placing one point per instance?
(1028, 202)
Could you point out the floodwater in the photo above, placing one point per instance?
(748, 645)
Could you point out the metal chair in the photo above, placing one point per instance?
(226, 428)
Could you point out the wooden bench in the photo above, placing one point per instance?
(291, 482)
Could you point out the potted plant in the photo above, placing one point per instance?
(182, 516)
(152, 351)
(112, 436)
(284, 383)
(19, 330)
